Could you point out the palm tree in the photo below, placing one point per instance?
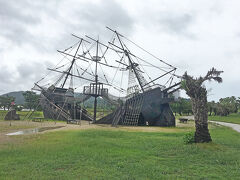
(197, 92)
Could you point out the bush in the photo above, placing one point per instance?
(189, 138)
(18, 108)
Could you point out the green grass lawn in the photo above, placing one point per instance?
(26, 115)
(232, 118)
(23, 114)
(118, 154)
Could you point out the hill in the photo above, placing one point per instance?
(90, 102)
(19, 99)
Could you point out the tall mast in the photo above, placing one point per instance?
(74, 59)
(132, 65)
(96, 86)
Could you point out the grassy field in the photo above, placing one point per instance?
(26, 115)
(23, 114)
(121, 154)
(232, 118)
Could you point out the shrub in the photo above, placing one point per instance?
(189, 138)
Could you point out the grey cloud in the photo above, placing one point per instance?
(176, 23)
(33, 71)
(107, 12)
(169, 22)
(238, 35)
(91, 19)
(7, 79)
(29, 71)
(22, 78)
(13, 11)
(19, 17)
(15, 17)
(226, 89)
(5, 73)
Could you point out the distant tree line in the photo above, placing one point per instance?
(223, 107)
(31, 102)
(182, 106)
(6, 102)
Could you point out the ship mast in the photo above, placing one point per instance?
(96, 85)
(132, 64)
(144, 85)
(74, 59)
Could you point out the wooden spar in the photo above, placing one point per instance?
(80, 38)
(71, 74)
(159, 77)
(71, 55)
(130, 60)
(74, 59)
(81, 57)
(103, 44)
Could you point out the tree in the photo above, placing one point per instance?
(187, 106)
(225, 106)
(2, 102)
(211, 107)
(238, 103)
(181, 105)
(230, 103)
(174, 107)
(222, 109)
(5, 101)
(197, 92)
(31, 99)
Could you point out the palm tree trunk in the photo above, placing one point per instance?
(200, 111)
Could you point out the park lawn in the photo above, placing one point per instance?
(15, 126)
(23, 114)
(121, 154)
(231, 118)
(26, 115)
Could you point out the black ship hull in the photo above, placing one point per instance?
(156, 110)
(58, 104)
(148, 108)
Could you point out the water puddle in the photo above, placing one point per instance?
(33, 131)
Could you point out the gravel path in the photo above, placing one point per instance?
(235, 127)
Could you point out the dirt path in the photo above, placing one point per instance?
(23, 125)
(46, 126)
(5, 127)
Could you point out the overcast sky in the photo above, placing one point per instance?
(191, 35)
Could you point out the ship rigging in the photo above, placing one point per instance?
(114, 73)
